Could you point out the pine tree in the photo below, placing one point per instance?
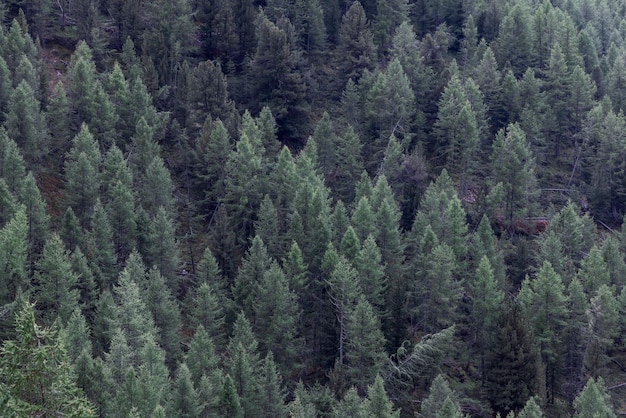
(185, 401)
(456, 130)
(276, 314)
(344, 293)
(372, 274)
(390, 108)
(229, 404)
(439, 394)
(363, 219)
(13, 168)
(208, 97)
(544, 302)
(351, 405)
(531, 410)
(26, 124)
(58, 118)
(86, 284)
(242, 363)
(101, 248)
(201, 357)
(594, 401)
(511, 372)
(56, 282)
(13, 257)
(36, 372)
(162, 248)
(378, 404)
(276, 59)
(210, 155)
(514, 166)
(486, 306)
(82, 166)
(356, 50)
(158, 190)
(272, 393)
(165, 313)
(365, 354)
(436, 289)
(348, 166)
(602, 328)
(132, 315)
(244, 185)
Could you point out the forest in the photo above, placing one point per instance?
(313, 208)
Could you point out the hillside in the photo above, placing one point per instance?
(312, 208)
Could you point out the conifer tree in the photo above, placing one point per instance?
(486, 305)
(594, 400)
(272, 393)
(544, 302)
(201, 357)
(356, 50)
(363, 219)
(185, 401)
(13, 256)
(36, 372)
(390, 108)
(242, 363)
(58, 118)
(102, 250)
(13, 168)
(365, 354)
(276, 313)
(344, 293)
(513, 165)
(229, 403)
(378, 403)
(26, 124)
(439, 394)
(602, 315)
(56, 282)
(208, 97)
(276, 59)
(162, 248)
(511, 372)
(82, 166)
(531, 410)
(456, 130)
(351, 405)
(211, 152)
(244, 186)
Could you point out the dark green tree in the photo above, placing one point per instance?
(56, 291)
(184, 399)
(276, 58)
(276, 314)
(513, 165)
(13, 257)
(243, 364)
(82, 177)
(511, 372)
(26, 124)
(356, 50)
(378, 404)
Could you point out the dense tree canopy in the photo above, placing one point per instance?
(312, 208)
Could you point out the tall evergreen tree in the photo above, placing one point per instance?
(36, 374)
(356, 50)
(56, 282)
(594, 400)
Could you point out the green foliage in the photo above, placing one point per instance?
(36, 373)
(593, 401)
